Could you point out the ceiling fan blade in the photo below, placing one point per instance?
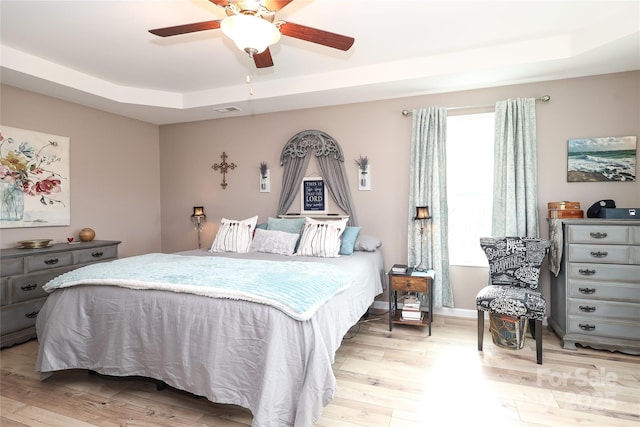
(263, 60)
(275, 5)
(186, 28)
(315, 35)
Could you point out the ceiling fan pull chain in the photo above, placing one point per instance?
(250, 86)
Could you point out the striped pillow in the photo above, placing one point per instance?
(234, 236)
(321, 238)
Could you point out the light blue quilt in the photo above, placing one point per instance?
(296, 288)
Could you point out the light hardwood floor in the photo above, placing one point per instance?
(399, 379)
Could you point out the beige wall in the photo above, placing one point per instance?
(127, 174)
(114, 171)
(606, 105)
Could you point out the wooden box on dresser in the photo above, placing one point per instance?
(23, 273)
(595, 299)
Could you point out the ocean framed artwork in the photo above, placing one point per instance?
(603, 159)
(34, 179)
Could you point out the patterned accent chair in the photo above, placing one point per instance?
(514, 273)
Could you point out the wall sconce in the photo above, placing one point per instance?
(198, 217)
(265, 178)
(364, 173)
(422, 215)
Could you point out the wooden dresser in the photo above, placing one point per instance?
(595, 299)
(23, 273)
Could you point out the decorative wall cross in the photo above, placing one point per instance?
(224, 168)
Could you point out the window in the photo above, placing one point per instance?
(469, 185)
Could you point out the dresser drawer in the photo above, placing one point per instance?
(96, 254)
(616, 291)
(589, 309)
(602, 254)
(600, 234)
(48, 261)
(28, 286)
(408, 283)
(19, 316)
(599, 272)
(604, 328)
(4, 286)
(11, 266)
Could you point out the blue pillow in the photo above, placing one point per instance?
(292, 225)
(262, 226)
(349, 240)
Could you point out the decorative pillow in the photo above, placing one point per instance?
(274, 242)
(349, 240)
(288, 225)
(234, 236)
(321, 238)
(367, 243)
(262, 225)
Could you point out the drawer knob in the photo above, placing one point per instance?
(51, 261)
(31, 315)
(586, 272)
(587, 290)
(96, 254)
(587, 308)
(598, 235)
(587, 327)
(30, 287)
(599, 254)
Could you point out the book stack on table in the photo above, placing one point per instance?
(399, 269)
(411, 309)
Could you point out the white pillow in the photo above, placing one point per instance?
(321, 238)
(367, 243)
(234, 236)
(274, 242)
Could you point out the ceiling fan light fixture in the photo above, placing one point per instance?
(250, 33)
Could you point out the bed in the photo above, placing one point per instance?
(229, 349)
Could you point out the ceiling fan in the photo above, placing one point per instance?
(252, 26)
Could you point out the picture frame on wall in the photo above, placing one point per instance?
(313, 199)
(34, 179)
(602, 159)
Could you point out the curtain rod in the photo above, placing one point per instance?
(544, 98)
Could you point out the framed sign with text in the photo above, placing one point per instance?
(313, 196)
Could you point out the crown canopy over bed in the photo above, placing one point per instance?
(295, 158)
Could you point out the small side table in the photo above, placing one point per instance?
(406, 282)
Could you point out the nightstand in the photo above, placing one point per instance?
(406, 282)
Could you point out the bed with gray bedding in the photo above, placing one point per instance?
(229, 349)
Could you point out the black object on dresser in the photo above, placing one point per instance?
(595, 299)
(23, 273)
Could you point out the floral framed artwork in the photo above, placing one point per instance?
(34, 179)
(603, 159)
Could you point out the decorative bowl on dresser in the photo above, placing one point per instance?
(595, 299)
(23, 273)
